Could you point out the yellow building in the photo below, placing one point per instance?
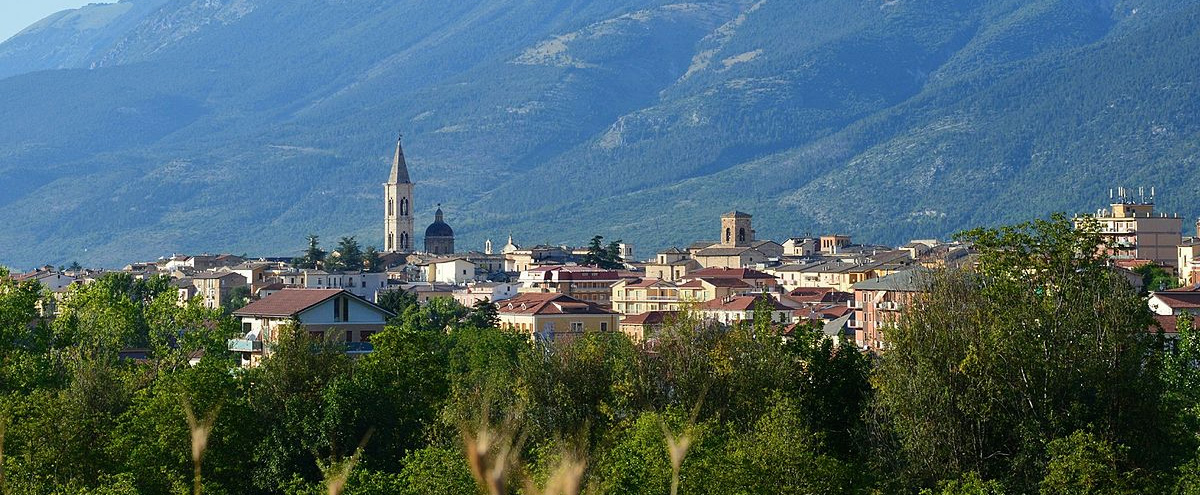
(554, 317)
(1133, 231)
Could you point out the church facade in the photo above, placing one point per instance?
(398, 216)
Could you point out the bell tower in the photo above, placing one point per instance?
(397, 215)
(736, 230)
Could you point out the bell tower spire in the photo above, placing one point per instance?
(398, 196)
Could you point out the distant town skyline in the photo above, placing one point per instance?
(16, 15)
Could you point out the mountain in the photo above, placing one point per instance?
(242, 125)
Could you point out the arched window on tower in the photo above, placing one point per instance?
(403, 206)
(403, 240)
(391, 210)
(391, 243)
(741, 235)
(728, 235)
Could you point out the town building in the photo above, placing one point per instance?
(1131, 230)
(737, 247)
(554, 316)
(451, 270)
(485, 291)
(878, 302)
(323, 313)
(671, 264)
(733, 309)
(590, 284)
(398, 205)
(641, 327)
(439, 237)
(216, 288)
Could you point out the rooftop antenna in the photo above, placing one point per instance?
(1151, 194)
(1142, 194)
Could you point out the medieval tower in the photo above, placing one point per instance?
(398, 197)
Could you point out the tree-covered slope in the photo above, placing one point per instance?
(244, 124)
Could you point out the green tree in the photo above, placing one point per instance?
(1084, 464)
(396, 300)
(313, 257)
(1040, 339)
(372, 262)
(1156, 278)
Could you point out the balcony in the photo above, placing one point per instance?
(359, 348)
(855, 324)
(244, 345)
(854, 304)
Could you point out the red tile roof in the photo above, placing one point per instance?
(726, 282)
(742, 303)
(739, 273)
(1180, 300)
(1169, 324)
(648, 318)
(287, 302)
(549, 303)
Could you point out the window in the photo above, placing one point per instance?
(403, 206)
(577, 326)
(349, 335)
(391, 211)
(741, 235)
(728, 235)
(390, 246)
(247, 327)
(604, 326)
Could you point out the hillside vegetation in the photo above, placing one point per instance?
(241, 125)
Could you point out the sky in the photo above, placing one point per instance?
(16, 15)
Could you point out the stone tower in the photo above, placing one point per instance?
(439, 237)
(736, 230)
(397, 215)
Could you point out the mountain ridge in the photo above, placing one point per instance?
(558, 120)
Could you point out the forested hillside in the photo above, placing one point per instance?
(241, 125)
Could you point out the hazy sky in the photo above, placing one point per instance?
(16, 15)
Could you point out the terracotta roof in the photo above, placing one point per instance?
(1169, 324)
(723, 251)
(742, 303)
(287, 302)
(216, 275)
(727, 282)
(1180, 300)
(648, 318)
(742, 273)
(548, 303)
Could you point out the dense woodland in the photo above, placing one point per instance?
(1032, 372)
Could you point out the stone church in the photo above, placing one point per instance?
(398, 219)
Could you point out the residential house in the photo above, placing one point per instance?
(641, 327)
(453, 270)
(581, 282)
(489, 291)
(878, 302)
(554, 316)
(671, 265)
(324, 313)
(216, 288)
(734, 309)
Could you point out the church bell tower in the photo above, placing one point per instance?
(397, 216)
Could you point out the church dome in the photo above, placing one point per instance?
(439, 228)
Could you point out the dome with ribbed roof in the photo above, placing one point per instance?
(439, 227)
(439, 237)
